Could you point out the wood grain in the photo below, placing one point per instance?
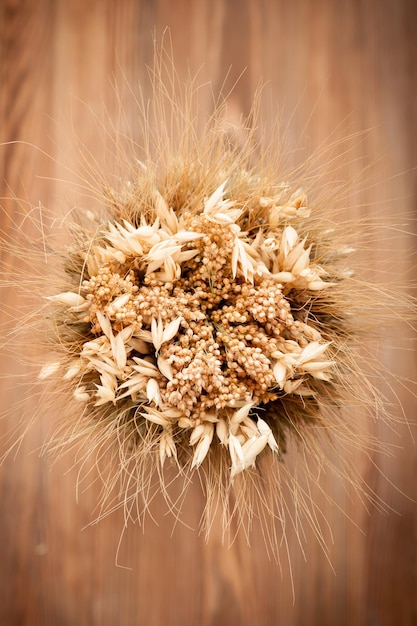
(331, 68)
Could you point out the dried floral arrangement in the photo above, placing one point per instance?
(204, 319)
(199, 319)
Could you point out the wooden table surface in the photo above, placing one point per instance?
(332, 69)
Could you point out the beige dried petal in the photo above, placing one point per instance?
(123, 240)
(252, 448)
(264, 202)
(119, 350)
(171, 329)
(321, 375)
(146, 233)
(103, 364)
(152, 415)
(235, 258)
(162, 250)
(226, 217)
(222, 431)
(134, 379)
(165, 368)
(201, 450)
(211, 417)
(312, 351)
(120, 302)
(291, 347)
(236, 455)
(264, 429)
(144, 335)
(197, 433)
(49, 369)
(248, 429)
(299, 389)
(95, 346)
(172, 412)
(154, 266)
(203, 446)
(108, 380)
(298, 198)
(92, 263)
(185, 422)
(171, 271)
(257, 242)
(318, 284)
(139, 345)
(68, 298)
(145, 367)
(152, 391)
(288, 240)
(157, 331)
(309, 331)
(213, 200)
(241, 257)
(292, 386)
(293, 257)
(302, 262)
(283, 277)
(250, 250)
(127, 332)
(72, 371)
(186, 235)
(81, 394)
(104, 395)
(135, 384)
(235, 449)
(241, 414)
(165, 214)
(105, 324)
(317, 366)
(81, 308)
(185, 255)
(304, 212)
(275, 215)
(280, 373)
(167, 447)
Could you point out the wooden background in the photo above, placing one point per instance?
(332, 67)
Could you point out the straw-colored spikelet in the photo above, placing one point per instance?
(203, 320)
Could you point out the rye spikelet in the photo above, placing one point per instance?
(203, 320)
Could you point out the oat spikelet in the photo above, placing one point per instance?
(204, 319)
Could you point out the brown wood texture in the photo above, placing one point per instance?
(331, 67)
